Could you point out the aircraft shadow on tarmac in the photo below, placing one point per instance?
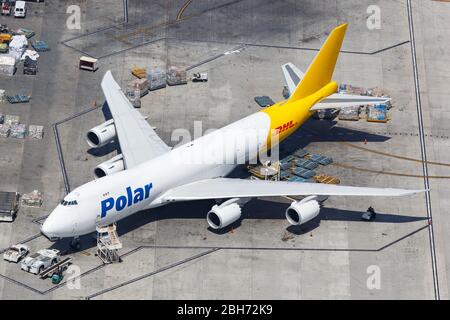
(324, 131)
(256, 209)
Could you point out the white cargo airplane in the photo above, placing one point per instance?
(146, 175)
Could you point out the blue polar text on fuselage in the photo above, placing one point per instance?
(123, 201)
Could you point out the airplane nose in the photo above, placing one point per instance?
(58, 225)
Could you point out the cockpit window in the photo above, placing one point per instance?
(69, 203)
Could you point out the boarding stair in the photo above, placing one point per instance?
(108, 244)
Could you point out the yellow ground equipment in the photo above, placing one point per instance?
(139, 72)
(5, 37)
(327, 179)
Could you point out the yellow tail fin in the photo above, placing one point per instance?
(321, 69)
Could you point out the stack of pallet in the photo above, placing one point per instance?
(176, 76)
(36, 132)
(4, 130)
(7, 64)
(327, 179)
(12, 119)
(18, 131)
(350, 113)
(140, 85)
(156, 79)
(32, 199)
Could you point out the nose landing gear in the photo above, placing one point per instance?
(75, 243)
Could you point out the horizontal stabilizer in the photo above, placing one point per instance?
(292, 76)
(340, 101)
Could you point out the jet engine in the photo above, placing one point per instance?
(111, 166)
(302, 211)
(224, 214)
(101, 134)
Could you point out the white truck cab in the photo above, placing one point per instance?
(20, 10)
(41, 260)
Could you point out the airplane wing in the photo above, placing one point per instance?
(221, 188)
(293, 76)
(138, 141)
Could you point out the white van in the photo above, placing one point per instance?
(20, 10)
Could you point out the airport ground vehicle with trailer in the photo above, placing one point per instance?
(41, 260)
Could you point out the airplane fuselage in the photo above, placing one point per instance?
(114, 197)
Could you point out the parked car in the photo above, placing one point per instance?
(6, 8)
(16, 253)
(20, 10)
(40, 260)
(200, 77)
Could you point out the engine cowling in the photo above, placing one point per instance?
(111, 166)
(225, 214)
(300, 212)
(101, 134)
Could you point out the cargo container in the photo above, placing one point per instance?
(350, 113)
(307, 164)
(11, 119)
(264, 101)
(156, 79)
(140, 85)
(9, 205)
(304, 173)
(284, 175)
(36, 132)
(321, 159)
(5, 130)
(18, 131)
(285, 165)
(377, 113)
(32, 199)
(7, 64)
(287, 159)
(300, 153)
(176, 76)
(88, 63)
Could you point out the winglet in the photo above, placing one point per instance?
(321, 70)
(109, 82)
